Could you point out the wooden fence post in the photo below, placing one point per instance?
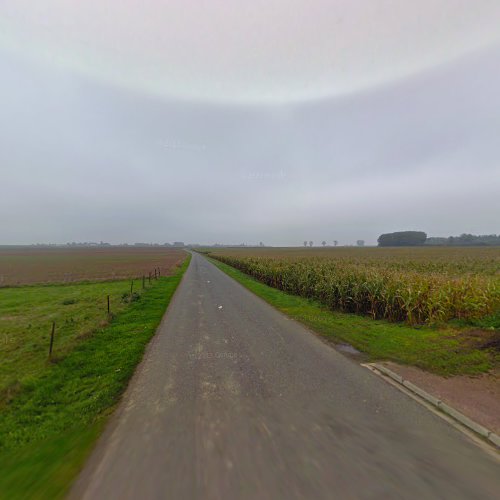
(52, 338)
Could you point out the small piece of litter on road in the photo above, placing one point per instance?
(220, 307)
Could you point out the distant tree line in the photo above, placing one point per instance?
(465, 240)
(419, 238)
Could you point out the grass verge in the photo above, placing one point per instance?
(48, 429)
(444, 351)
(26, 316)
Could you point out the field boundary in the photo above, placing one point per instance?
(108, 428)
(436, 351)
(482, 436)
(48, 431)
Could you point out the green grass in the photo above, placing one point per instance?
(48, 429)
(442, 351)
(26, 316)
(491, 322)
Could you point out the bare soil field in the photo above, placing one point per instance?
(27, 265)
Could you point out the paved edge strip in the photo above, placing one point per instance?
(451, 412)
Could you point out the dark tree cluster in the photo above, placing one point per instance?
(402, 239)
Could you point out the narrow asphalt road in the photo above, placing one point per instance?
(234, 400)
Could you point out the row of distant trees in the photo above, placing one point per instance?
(465, 240)
(419, 238)
(360, 243)
(323, 243)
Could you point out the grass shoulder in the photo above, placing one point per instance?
(442, 350)
(48, 429)
(26, 318)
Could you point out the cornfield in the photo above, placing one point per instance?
(397, 289)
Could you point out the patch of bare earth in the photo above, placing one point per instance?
(481, 339)
(29, 265)
(478, 396)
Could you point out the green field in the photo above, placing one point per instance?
(52, 411)
(26, 316)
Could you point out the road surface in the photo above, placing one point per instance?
(234, 400)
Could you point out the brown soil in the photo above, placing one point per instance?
(481, 339)
(25, 265)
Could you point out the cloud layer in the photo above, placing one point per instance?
(82, 161)
(338, 121)
(260, 51)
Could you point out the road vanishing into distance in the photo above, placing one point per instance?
(234, 400)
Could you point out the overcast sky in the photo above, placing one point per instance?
(277, 121)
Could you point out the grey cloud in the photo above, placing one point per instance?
(82, 161)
